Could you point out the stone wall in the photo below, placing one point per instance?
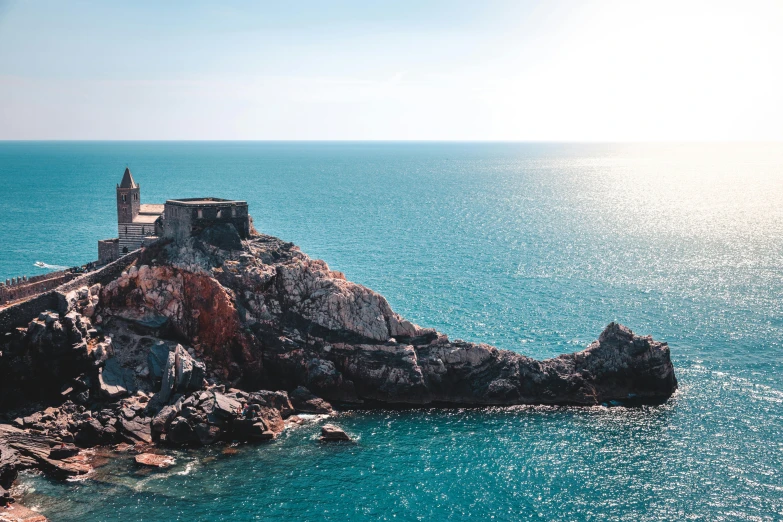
(185, 218)
(132, 235)
(103, 275)
(34, 285)
(108, 250)
(20, 314)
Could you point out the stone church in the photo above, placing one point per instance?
(141, 224)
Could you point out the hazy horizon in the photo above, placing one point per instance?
(593, 72)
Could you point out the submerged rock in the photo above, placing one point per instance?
(155, 461)
(17, 513)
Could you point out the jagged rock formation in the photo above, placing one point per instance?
(268, 316)
(180, 348)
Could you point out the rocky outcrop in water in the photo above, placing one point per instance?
(182, 346)
(332, 433)
(268, 316)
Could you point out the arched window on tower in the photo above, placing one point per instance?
(200, 213)
(123, 198)
(219, 213)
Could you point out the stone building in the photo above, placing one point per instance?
(134, 220)
(140, 224)
(187, 217)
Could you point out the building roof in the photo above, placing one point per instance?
(146, 219)
(127, 180)
(205, 202)
(147, 208)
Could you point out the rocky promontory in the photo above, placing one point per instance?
(217, 338)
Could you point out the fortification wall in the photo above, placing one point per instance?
(20, 314)
(34, 285)
(34, 279)
(108, 250)
(185, 218)
(103, 275)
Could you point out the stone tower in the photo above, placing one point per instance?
(136, 223)
(128, 199)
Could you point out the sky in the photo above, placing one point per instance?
(554, 70)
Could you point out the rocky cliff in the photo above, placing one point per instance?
(267, 316)
(181, 345)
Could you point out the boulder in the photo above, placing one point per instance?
(189, 372)
(156, 361)
(332, 433)
(225, 407)
(21, 449)
(271, 418)
(169, 379)
(63, 451)
(181, 432)
(5, 496)
(90, 433)
(273, 399)
(114, 381)
(305, 402)
(261, 433)
(9, 465)
(161, 421)
(176, 369)
(137, 429)
(207, 433)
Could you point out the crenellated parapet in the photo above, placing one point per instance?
(22, 287)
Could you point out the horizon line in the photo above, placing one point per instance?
(651, 141)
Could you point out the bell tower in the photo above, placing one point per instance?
(128, 198)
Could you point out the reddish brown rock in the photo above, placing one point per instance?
(63, 451)
(155, 461)
(267, 316)
(18, 513)
(332, 433)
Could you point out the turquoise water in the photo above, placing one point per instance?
(531, 247)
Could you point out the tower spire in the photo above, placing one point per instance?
(127, 180)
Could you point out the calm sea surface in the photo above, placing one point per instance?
(531, 247)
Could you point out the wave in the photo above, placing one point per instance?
(41, 264)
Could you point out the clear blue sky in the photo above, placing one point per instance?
(442, 70)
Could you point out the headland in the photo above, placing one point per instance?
(192, 328)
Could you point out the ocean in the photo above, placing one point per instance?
(532, 247)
